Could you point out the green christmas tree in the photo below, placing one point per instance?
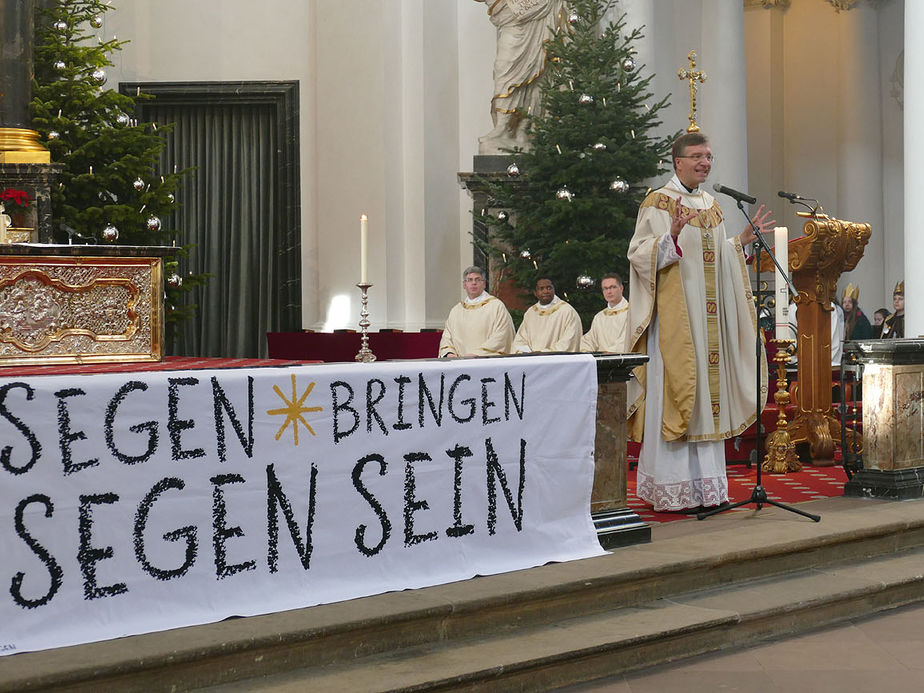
(566, 209)
(110, 190)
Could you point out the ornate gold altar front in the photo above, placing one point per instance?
(81, 304)
(828, 248)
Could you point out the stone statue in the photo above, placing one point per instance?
(523, 27)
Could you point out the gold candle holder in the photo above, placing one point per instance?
(365, 354)
(781, 452)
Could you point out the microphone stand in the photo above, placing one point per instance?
(759, 493)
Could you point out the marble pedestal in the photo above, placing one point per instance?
(891, 463)
(616, 524)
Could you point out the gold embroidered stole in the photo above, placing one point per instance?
(707, 220)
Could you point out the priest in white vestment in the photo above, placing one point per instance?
(692, 312)
(550, 324)
(478, 326)
(608, 330)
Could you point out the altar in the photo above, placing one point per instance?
(133, 502)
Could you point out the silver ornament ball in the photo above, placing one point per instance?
(175, 280)
(153, 223)
(584, 282)
(110, 233)
(564, 194)
(525, 254)
(585, 99)
(573, 18)
(60, 65)
(60, 26)
(123, 119)
(96, 22)
(619, 185)
(502, 216)
(513, 170)
(628, 65)
(170, 198)
(99, 75)
(138, 184)
(53, 134)
(599, 147)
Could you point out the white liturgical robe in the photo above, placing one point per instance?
(555, 327)
(477, 327)
(693, 313)
(608, 330)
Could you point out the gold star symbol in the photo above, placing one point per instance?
(293, 410)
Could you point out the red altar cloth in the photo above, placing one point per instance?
(343, 346)
(172, 363)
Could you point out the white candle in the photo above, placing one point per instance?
(781, 249)
(363, 249)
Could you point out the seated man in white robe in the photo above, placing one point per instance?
(608, 330)
(478, 326)
(692, 312)
(550, 324)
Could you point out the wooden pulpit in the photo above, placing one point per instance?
(827, 248)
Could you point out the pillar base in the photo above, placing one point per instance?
(22, 146)
(894, 484)
(621, 527)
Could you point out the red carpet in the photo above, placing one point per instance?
(812, 483)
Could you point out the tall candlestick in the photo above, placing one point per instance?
(363, 249)
(781, 250)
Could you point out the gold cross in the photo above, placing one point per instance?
(693, 76)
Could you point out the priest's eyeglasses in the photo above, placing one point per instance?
(699, 157)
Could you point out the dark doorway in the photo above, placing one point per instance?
(239, 207)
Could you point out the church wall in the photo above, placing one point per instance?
(394, 95)
(821, 123)
(380, 84)
(891, 56)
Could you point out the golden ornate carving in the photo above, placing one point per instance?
(767, 4)
(828, 248)
(839, 5)
(781, 452)
(78, 309)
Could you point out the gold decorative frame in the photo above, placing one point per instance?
(80, 309)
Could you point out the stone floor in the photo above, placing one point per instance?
(882, 653)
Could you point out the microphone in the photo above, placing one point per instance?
(792, 197)
(740, 196)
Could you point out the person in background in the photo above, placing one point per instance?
(893, 327)
(548, 325)
(608, 330)
(856, 325)
(878, 317)
(478, 326)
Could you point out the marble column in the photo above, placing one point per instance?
(859, 166)
(914, 172)
(722, 109)
(18, 143)
(16, 17)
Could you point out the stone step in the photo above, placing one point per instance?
(727, 551)
(581, 649)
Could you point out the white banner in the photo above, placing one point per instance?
(131, 503)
